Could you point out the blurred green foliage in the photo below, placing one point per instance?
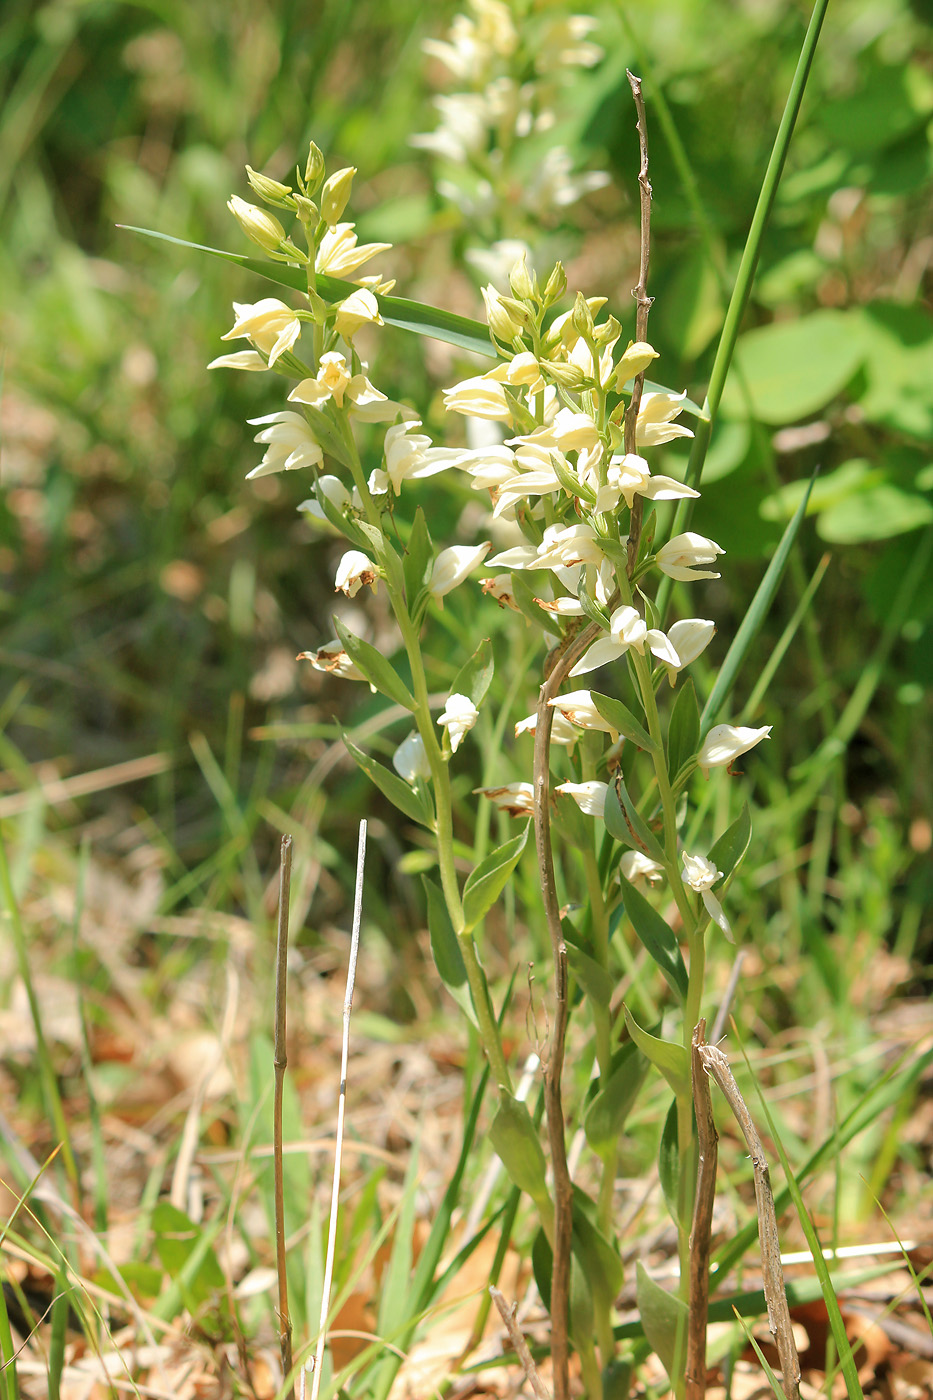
(148, 593)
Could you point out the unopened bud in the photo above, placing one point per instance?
(635, 361)
(520, 279)
(556, 285)
(336, 194)
(582, 317)
(314, 170)
(498, 319)
(564, 373)
(607, 332)
(307, 210)
(261, 227)
(272, 191)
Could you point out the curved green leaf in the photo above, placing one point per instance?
(374, 666)
(663, 1317)
(625, 822)
(475, 675)
(486, 882)
(446, 950)
(606, 1115)
(399, 793)
(656, 936)
(729, 851)
(666, 1055)
(516, 1143)
(622, 719)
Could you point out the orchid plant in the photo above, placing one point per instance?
(566, 473)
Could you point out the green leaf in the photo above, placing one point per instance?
(474, 677)
(625, 823)
(417, 562)
(669, 1162)
(395, 311)
(571, 482)
(877, 513)
(347, 526)
(683, 735)
(666, 1055)
(185, 1253)
(401, 794)
(753, 619)
(485, 883)
(606, 1115)
(448, 958)
(592, 976)
(375, 667)
(622, 719)
(600, 1262)
(792, 369)
(664, 1319)
(516, 1143)
(729, 851)
(656, 936)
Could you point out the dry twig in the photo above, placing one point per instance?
(518, 1342)
(280, 1060)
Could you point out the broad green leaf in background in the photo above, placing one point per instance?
(401, 794)
(669, 1161)
(374, 666)
(729, 851)
(622, 719)
(516, 1141)
(683, 735)
(626, 824)
(595, 979)
(657, 936)
(448, 958)
(606, 1115)
(666, 1055)
(794, 368)
(416, 563)
(663, 1317)
(485, 883)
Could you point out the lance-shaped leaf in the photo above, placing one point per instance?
(592, 976)
(570, 481)
(729, 851)
(671, 1058)
(395, 311)
(600, 1262)
(626, 824)
(446, 950)
(401, 794)
(375, 667)
(669, 1163)
(416, 565)
(344, 523)
(486, 882)
(683, 735)
(622, 719)
(664, 1318)
(606, 1115)
(657, 936)
(474, 677)
(517, 1144)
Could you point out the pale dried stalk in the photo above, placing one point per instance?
(341, 1111)
(557, 668)
(707, 1139)
(280, 1061)
(518, 1342)
(716, 1064)
(642, 305)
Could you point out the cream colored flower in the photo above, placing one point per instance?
(453, 565)
(272, 326)
(354, 571)
(590, 797)
(478, 397)
(562, 731)
(726, 742)
(500, 588)
(240, 359)
(688, 639)
(629, 476)
(338, 254)
(459, 717)
(518, 799)
(635, 865)
(654, 424)
(261, 227)
(333, 659)
(680, 557)
(290, 444)
(701, 875)
(410, 759)
(334, 381)
(636, 359)
(577, 706)
(360, 308)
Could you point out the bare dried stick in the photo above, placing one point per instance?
(558, 664)
(280, 1061)
(716, 1064)
(341, 1111)
(518, 1342)
(707, 1139)
(642, 304)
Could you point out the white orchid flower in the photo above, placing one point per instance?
(654, 425)
(479, 397)
(453, 565)
(338, 254)
(726, 742)
(289, 441)
(500, 588)
(590, 797)
(518, 799)
(459, 717)
(635, 866)
(272, 326)
(701, 874)
(240, 359)
(687, 640)
(636, 359)
(360, 308)
(629, 476)
(562, 731)
(332, 658)
(577, 706)
(682, 555)
(354, 571)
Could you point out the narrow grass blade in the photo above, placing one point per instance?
(752, 621)
(98, 1154)
(763, 683)
(406, 315)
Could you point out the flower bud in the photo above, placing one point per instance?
(520, 279)
(635, 361)
(314, 170)
(272, 191)
(556, 285)
(582, 317)
(307, 210)
(607, 332)
(261, 227)
(360, 308)
(568, 376)
(336, 195)
(498, 318)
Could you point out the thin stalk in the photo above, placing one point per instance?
(642, 307)
(700, 1234)
(280, 1060)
